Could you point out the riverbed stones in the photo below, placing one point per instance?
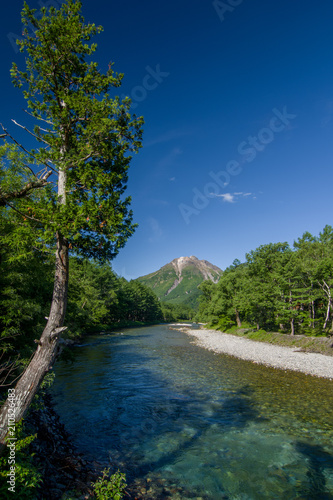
(285, 358)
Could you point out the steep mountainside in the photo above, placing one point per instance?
(177, 282)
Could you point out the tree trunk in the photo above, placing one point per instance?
(327, 290)
(292, 321)
(328, 312)
(313, 314)
(238, 320)
(47, 349)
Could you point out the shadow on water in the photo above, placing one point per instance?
(318, 461)
(233, 412)
(133, 407)
(150, 404)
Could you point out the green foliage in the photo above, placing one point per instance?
(27, 477)
(110, 487)
(85, 137)
(277, 288)
(139, 303)
(176, 312)
(97, 299)
(25, 295)
(92, 294)
(224, 323)
(70, 188)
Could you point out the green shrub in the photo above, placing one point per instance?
(110, 487)
(224, 323)
(27, 477)
(261, 331)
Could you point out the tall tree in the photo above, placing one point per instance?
(264, 265)
(85, 140)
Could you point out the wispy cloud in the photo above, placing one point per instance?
(159, 202)
(326, 108)
(232, 197)
(156, 230)
(168, 136)
(169, 158)
(166, 165)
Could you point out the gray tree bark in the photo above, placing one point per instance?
(48, 345)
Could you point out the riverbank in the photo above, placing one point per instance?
(276, 356)
(63, 469)
(66, 474)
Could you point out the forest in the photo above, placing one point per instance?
(97, 299)
(277, 288)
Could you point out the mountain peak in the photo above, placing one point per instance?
(178, 280)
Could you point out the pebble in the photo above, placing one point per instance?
(285, 358)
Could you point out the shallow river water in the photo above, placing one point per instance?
(195, 424)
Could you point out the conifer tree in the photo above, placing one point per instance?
(85, 137)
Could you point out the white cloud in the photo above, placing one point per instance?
(232, 197)
(226, 197)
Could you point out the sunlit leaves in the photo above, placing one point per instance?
(84, 130)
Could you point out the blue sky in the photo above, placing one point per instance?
(237, 97)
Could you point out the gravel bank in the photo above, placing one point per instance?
(258, 352)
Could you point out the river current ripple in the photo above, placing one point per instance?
(195, 424)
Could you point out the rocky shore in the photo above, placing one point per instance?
(63, 469)
(286, 358)
(68, 474)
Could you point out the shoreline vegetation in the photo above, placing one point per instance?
(309, 355)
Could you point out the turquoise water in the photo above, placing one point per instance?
(183, 422)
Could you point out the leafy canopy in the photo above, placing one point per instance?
(86, 135)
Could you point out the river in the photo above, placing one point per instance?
(188, 423)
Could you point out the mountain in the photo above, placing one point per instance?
(177, 282)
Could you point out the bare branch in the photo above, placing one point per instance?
(7, 134)
(38, 117)
(17, 143)
(41, 182)
(31, 133)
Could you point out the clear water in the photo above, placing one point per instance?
(189, 423)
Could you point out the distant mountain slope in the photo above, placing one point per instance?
(177, 282)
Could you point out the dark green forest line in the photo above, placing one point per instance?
(277, 288)
(98, 299)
